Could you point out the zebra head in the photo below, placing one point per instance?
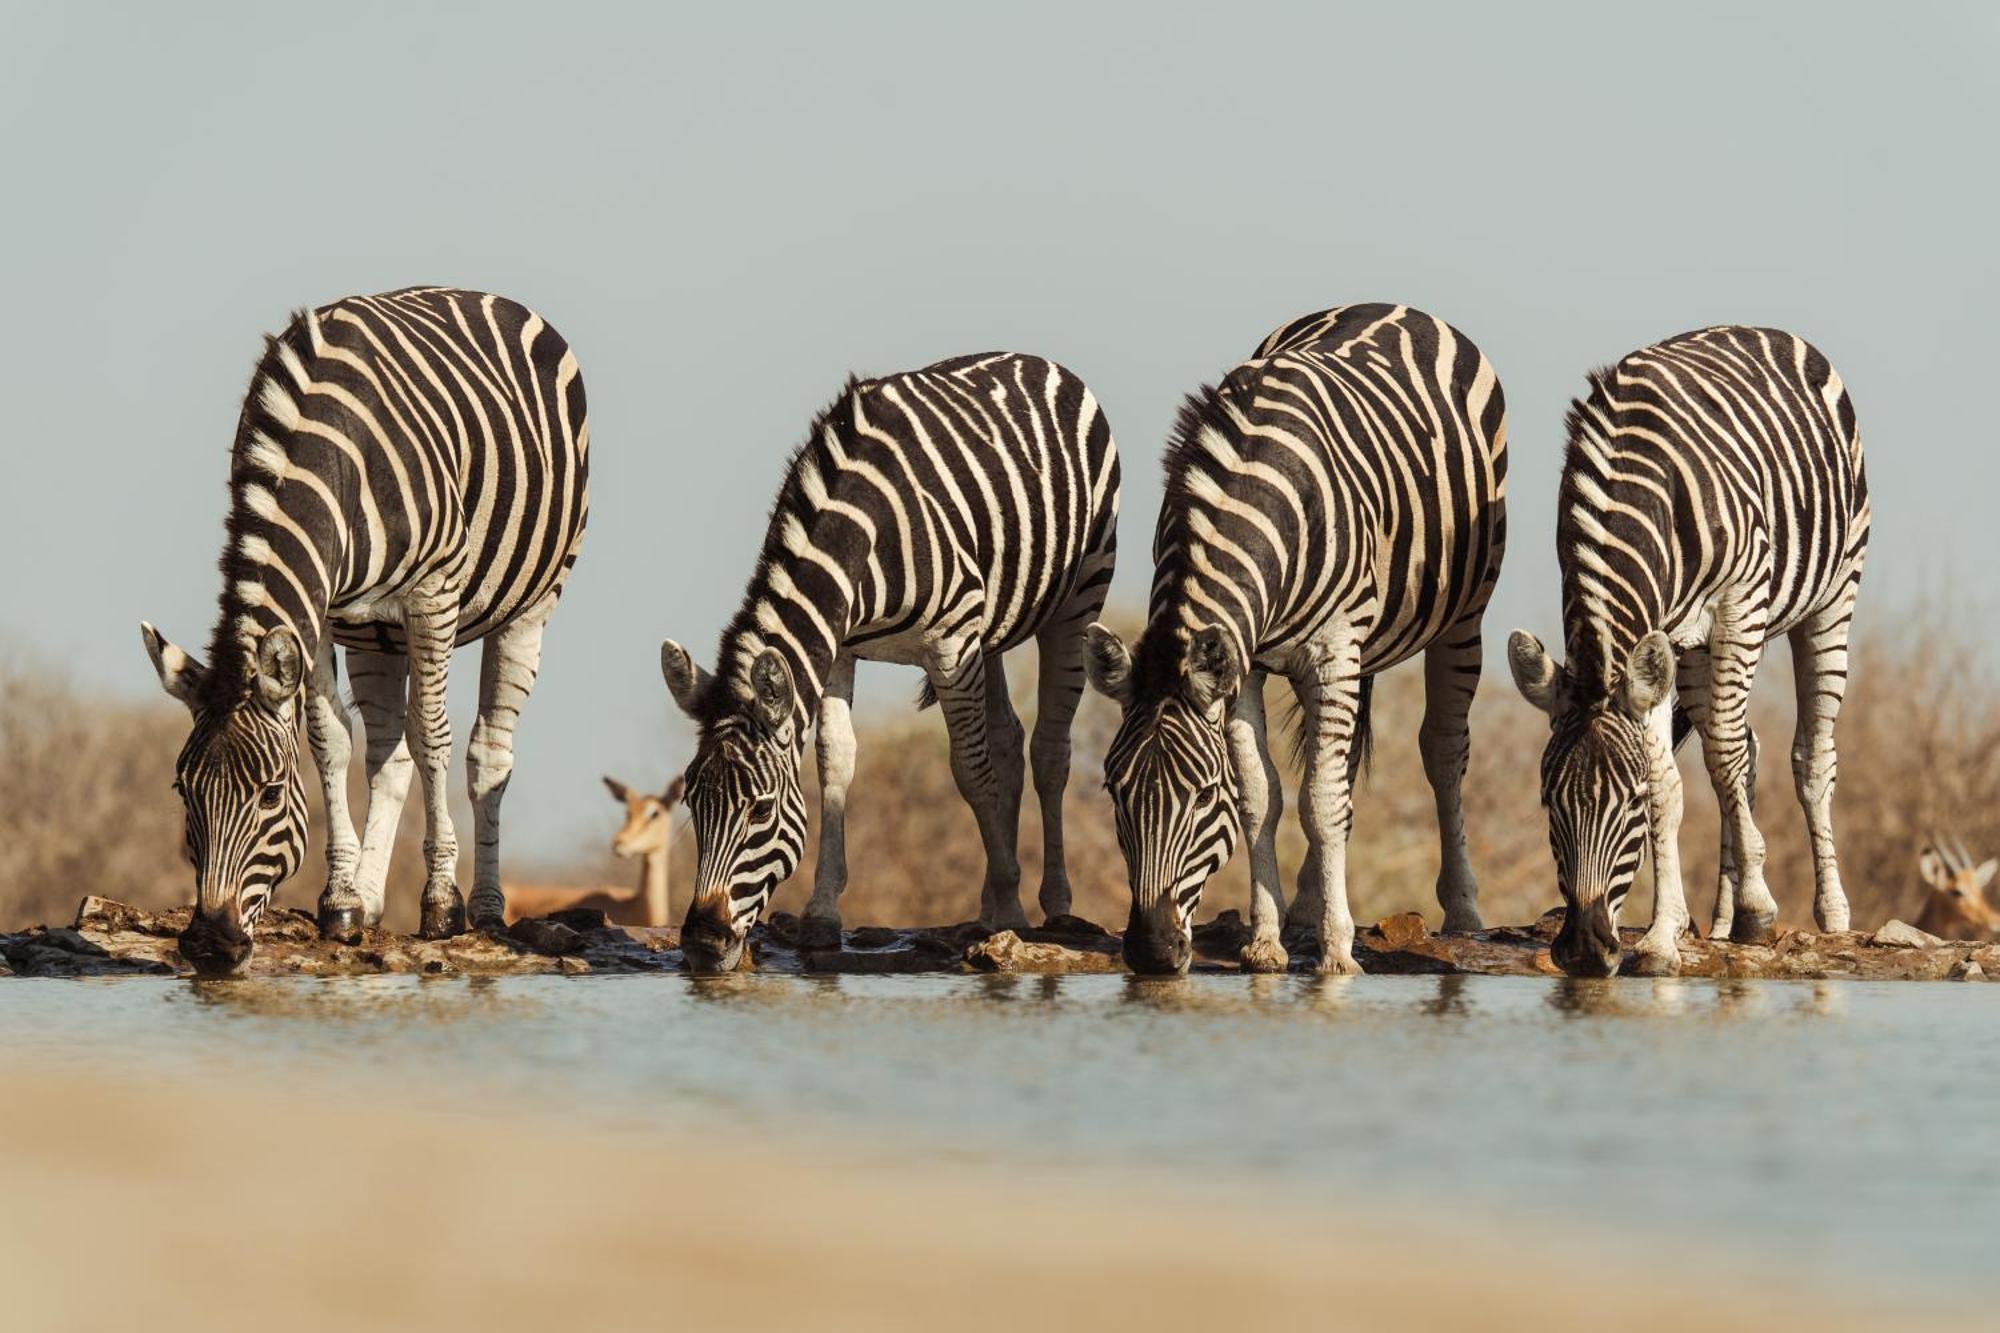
(743, 799)
(1173, 789)
(1595, 786)
(240, 781)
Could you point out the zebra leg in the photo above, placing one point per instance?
(431, 624)
(1261, 802)
(960, 681)
(381, 691)
(1057, 691)
(1659, 953)
(1451, 675)
(1330, 689)
(1819, 661)
(328, 729)
(509, 661)
(1734, 651)
(1691, 692)
(834, 745)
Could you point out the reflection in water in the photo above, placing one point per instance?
(361, 999)
(1450, 1000)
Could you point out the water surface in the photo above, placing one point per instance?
(1845, 1127)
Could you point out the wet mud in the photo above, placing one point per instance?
(115, 939)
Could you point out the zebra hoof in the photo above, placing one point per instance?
(1338, 963)
(1264, 956)
(442, 918)
(341, 924)
(1748, 929)
(1650, 963)
(819, 933)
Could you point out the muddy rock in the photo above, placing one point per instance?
(1008, 952)
(1902, 935)
(1400, 932)
(546, 935)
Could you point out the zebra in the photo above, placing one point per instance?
(936, 518)
(1335, 506)
(1712, 498)
(409, 473)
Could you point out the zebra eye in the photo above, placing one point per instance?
(272, 796)
(762, 810)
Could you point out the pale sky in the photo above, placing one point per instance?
(726, 212)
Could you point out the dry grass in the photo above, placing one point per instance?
(85, 805)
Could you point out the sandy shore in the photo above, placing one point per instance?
(176, 1206)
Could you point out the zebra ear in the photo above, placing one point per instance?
(180, 675)
(617, 789)
(771, 689)
(1213, 671)
(1649, 674)
(685, 680)
(1108, 664)
(1536, 674)
(281, 667)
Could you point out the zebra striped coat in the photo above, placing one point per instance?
(937, 518)
(409, 473)
(1334, 507)
(1712, 498)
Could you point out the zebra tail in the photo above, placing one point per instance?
(1360, 753)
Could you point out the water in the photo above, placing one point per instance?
(1841, 1127)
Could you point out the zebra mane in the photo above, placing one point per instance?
(799, 498)
(257, 463)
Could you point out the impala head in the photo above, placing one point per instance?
(1173, 790)
(648, 824)
(244, 792)
(743, 799)
(1956, 907)
(1594, 786)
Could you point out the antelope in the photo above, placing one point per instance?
(648, 834)
(1955, 908)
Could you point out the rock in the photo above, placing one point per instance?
(1066, 926)
(1902, 935)
(1008, 952)
(547, 937)
(873, 937)
(1549, 923)
(1402, 930)
(1967, 969)
(581, 918)
(573, 967)
(1223, 937)
(783, 928)
(107, 916)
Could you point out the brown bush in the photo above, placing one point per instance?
(85, 805)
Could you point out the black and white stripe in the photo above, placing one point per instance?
(937, 518)
(1712, 499)
(409, 473)
(1334, 507)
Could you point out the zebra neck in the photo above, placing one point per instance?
(286, 551)
(1185, 601)
(804, 606)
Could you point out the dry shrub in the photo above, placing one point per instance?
(85, 805)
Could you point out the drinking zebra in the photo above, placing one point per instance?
(1336, 506)
(1712, 498)
(408, 474)
(936, 518)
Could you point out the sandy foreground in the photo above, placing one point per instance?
(170, 1205)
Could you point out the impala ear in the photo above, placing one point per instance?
(1212, 668)
(1649, 675)
(281, 667)
(685, 680)
(1108, 664)
(180, 675)
(771, 690)
(618, 790)
(676, 789)
(1536, 675)
(1930, 865)
(1984, 875)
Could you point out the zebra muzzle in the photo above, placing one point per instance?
(1587, 945)
(215, 946)
(1155, 945)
